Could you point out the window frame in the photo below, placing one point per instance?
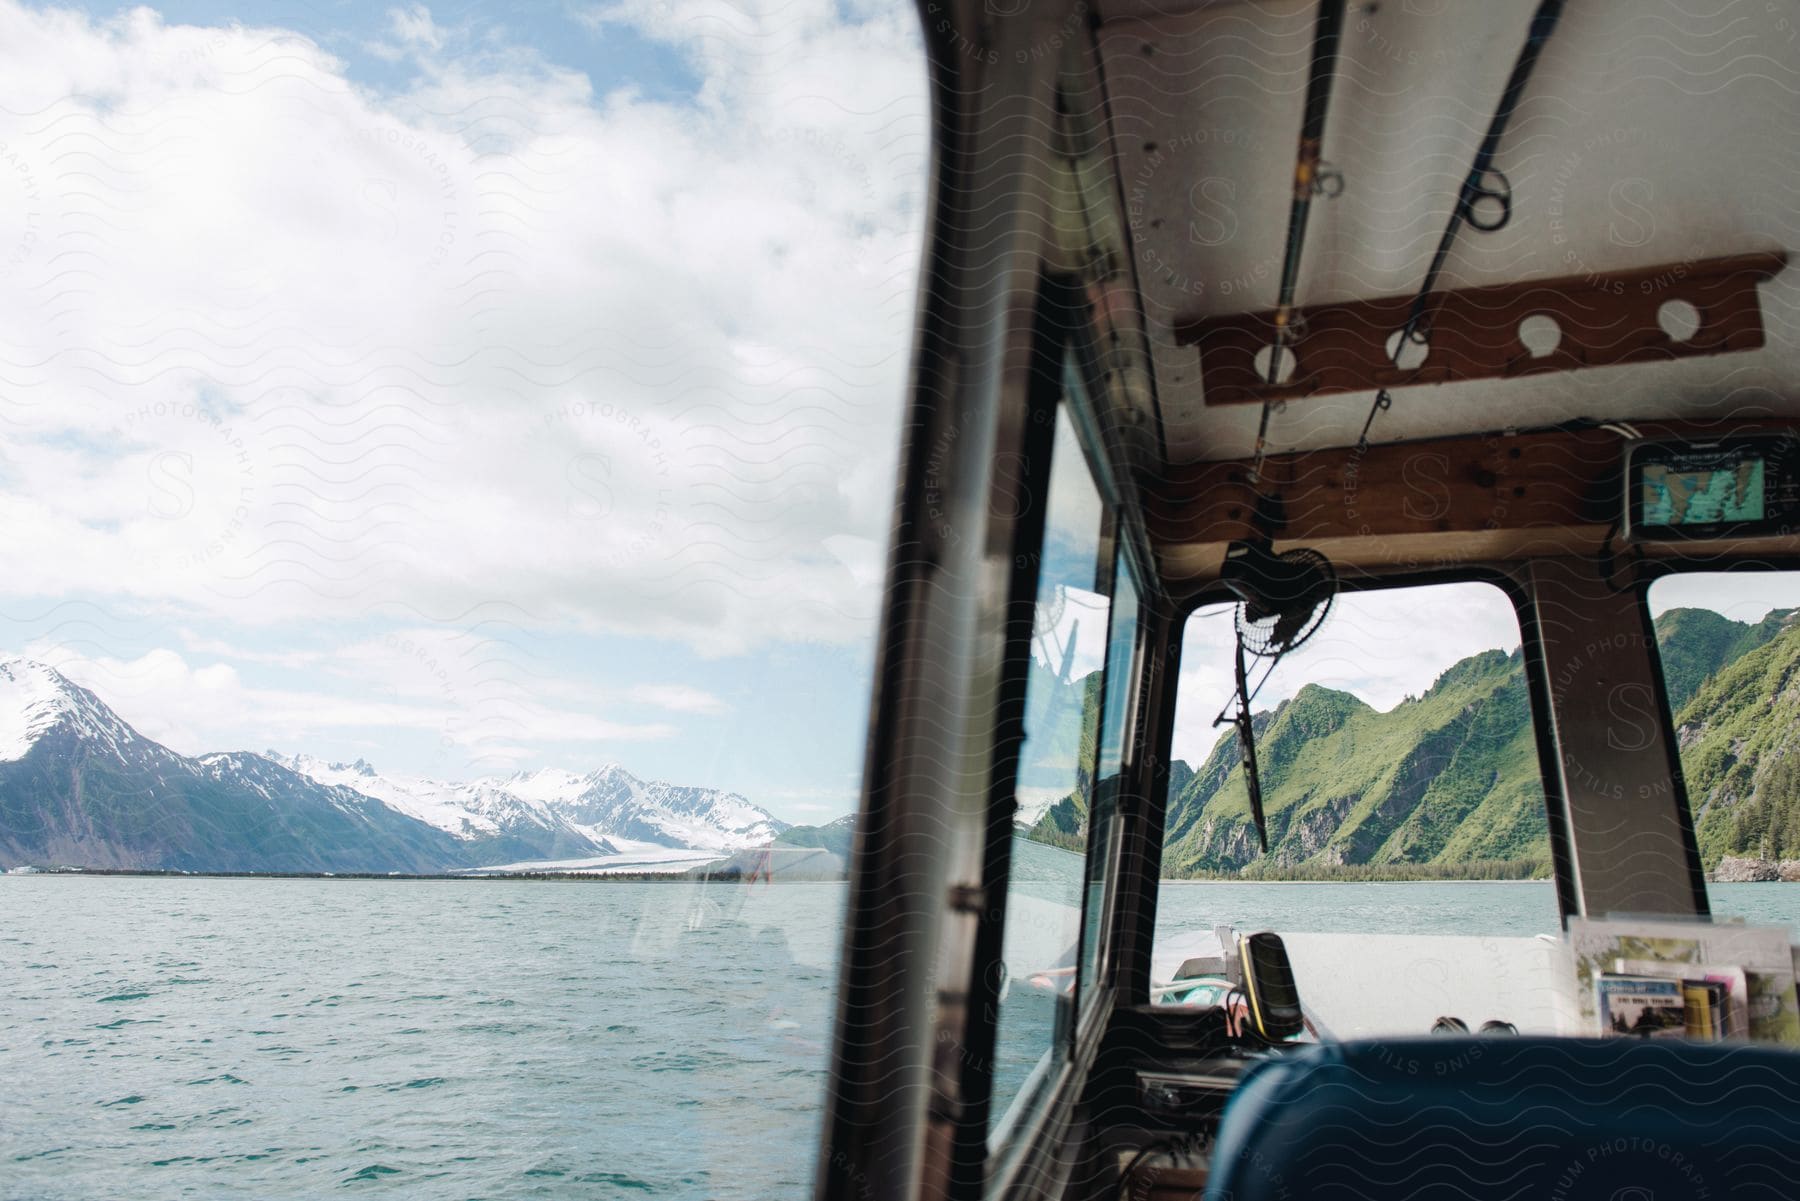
(1537, 692)
(1104, 857)
(1031, 1097)
(1117, 547)
(1013, 1136)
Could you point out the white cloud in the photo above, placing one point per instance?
(195, 707)
(282, 349)
(1381, 645)
(678, 698)
(1739, 595)
(414, 26)
(814, 806)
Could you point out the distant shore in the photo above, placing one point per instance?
(1264, 871)
(1736, 870)
(640, 877)
(689, 877)
(1731, 871)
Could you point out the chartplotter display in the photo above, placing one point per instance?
(1677, 495)
(1743, 487)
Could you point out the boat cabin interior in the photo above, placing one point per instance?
(1247, 310)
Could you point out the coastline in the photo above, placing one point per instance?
(513, 877)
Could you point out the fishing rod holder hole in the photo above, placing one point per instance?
(1679, 319)
(1413, 354)
(1288, 363)
(1540, 334)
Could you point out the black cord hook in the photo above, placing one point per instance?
(1477, 192)
(1382, 401)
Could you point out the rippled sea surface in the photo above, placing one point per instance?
(293, 1038)
(252, 1039)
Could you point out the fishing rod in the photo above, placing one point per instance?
(1242, 722)
(1308, 181)
(1483, 185)
(1311, 179)
(1246, 733)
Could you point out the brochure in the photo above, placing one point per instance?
(1640, 1006)
(1693, 951)
(1732, 1009)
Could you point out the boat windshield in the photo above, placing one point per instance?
(1404, 805)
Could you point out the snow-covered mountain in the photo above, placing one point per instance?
(37, 701)
(499, 823)
(613, 803)
(79, 786)
(610, 807)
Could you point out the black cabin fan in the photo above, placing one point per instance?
(1282, 598)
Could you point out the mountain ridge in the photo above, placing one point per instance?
(1739, 736)
(1445, 778)
(1452, 777)
(80, 787)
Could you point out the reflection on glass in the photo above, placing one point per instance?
(1121, 688)
(1056, 762)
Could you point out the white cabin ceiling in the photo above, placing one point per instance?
(1648, 135)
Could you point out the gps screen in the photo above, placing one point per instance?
(1674, 494)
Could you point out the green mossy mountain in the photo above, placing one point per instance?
(1064, 824)
(1447, 783)
(1696, 643)
(1740, 751)
(1452, 778)
(835, 837)
(1447, 777)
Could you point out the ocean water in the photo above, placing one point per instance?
(205, 1038)
(255, 1039)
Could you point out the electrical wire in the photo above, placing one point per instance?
(1607, 561)
(1192, 1145)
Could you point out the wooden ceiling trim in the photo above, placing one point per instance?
(1603, 320)
(1466, 485)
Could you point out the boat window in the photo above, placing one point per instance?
(1403, 799)
(1056, 767)
(447, 482)
(1121, 690)
(1730, 650)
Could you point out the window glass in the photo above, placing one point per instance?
(447, 461)
(1056, 763)
(1116, 713)
(1730, 647)
(1401, 785)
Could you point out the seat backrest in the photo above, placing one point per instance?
(1525, 1119)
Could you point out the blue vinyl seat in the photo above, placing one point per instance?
(1531, 1119)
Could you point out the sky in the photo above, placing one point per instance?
(471, 388)
(465, 388)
